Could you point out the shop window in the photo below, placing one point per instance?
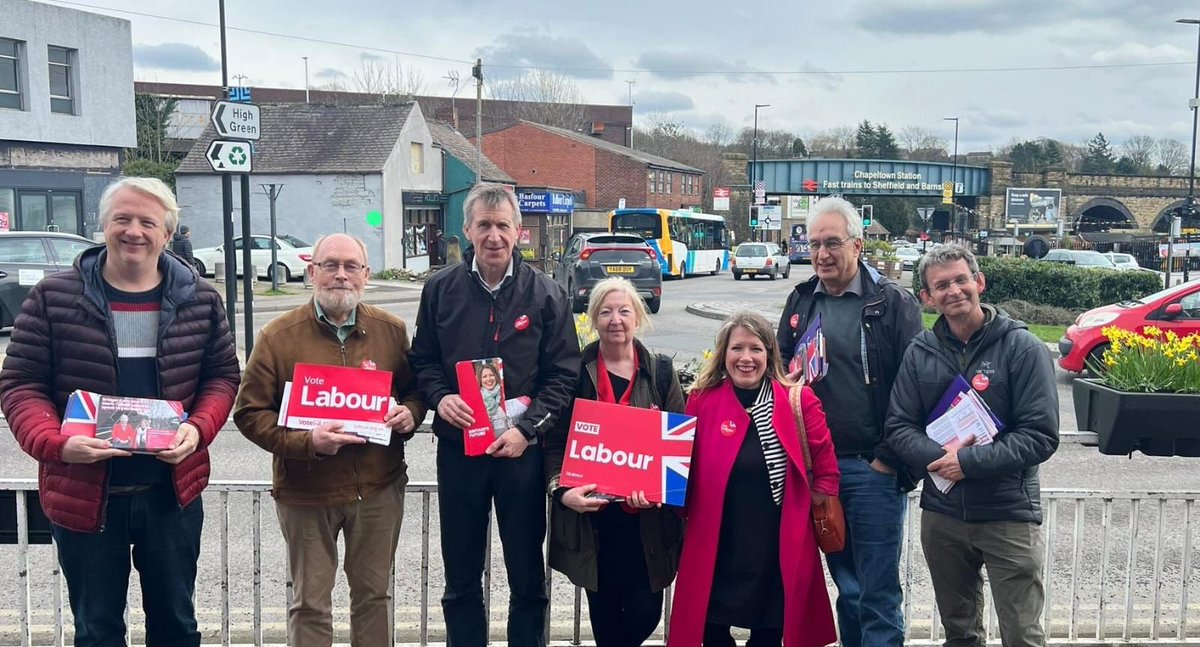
(10, 74)
(62, 81)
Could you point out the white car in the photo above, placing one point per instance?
(1123, 261)
(292, 256)
(909, 256)
(759, 259)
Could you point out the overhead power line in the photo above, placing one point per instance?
(660, 72)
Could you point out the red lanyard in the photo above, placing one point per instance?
(604, 389)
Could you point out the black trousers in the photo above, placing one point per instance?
(468, 487)
(719, 636)
(623, 618)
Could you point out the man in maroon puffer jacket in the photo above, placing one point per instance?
(126, 320)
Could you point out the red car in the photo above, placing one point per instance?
(1176, 308)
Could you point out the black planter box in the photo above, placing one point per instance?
(1156, 424)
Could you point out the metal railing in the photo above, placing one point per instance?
(1118, 570)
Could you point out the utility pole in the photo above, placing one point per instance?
(227, 204)
(1190, 207)
(305, 78)
(477, 72)
(631, 84)
(954, 180)
(273, 191)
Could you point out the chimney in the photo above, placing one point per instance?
(597, 128)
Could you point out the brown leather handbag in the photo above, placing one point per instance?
(829, 521)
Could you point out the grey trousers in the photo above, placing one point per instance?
(1012, 551)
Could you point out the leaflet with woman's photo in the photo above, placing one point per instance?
(140, 425)
(481, 386)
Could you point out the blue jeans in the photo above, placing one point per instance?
(867, 572)
(165, 542)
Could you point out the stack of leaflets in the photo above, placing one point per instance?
(356, 398)
(481, 386)
(139, 425)
(960, 415)
(810, 353)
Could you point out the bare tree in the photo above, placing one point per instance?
(719, 135)
(834, 142)
(1140, 151)
(920, 144)
(1171, 156)
(543, 97)
(387, 79)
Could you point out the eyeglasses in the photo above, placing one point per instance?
(331, 267)
(962, 281)
(830, 244)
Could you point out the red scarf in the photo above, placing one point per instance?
(604, 389)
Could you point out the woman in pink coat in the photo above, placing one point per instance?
(750, 558)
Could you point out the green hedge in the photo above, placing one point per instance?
(1058, 284)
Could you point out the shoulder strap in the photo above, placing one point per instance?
(794, 398)
(660, 377)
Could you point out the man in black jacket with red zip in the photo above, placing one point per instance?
(493, 305)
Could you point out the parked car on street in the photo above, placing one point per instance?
(293, 256)
(1175, 309)
(592, 257)
(28, 256)
(759, 259)
(1080, 258)
(909, 256)
(1123, 261)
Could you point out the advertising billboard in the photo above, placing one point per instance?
(1032, 206)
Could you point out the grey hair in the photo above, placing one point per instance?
(316, 253)
(617, 284)
(844, 209)
(153, 187)
(491, 196)
(944, 255)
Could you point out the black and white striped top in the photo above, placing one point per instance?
(761, 412)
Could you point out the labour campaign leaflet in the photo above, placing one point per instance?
(810, 353)
(355, 397)
(625, 449)
(139, 425)
(481, 386)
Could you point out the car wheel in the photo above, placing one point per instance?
(787, 272)
(1093, 364)
(682, 271)
(774, 275)
(654, 304)
(577, 306)
(737, 276)
(285, 274)
(199, 265)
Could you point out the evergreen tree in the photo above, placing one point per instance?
(886, 147)
(1099, 157)
(865, 140)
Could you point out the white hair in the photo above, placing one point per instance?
(153, 187)
(840, 206)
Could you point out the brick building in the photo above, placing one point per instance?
(603, 172)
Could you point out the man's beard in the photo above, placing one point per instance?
(334, 301)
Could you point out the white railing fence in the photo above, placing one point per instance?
(1118, 571)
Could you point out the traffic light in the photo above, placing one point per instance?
(868, 215)
(753, 217)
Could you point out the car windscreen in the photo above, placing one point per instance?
(751, 251)
(293, 241)
(1094, 259)
(618, 256)
(646, 225)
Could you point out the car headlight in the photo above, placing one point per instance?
(1097, 319)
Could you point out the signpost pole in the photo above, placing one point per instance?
(230, 259)
(248, 273)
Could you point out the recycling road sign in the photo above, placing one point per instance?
(226, 156)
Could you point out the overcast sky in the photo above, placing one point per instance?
(1007, 68)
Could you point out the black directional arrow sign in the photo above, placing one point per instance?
(226, 156)
(236, 120)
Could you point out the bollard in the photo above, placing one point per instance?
(254, 275)
(307, 279)
(219, 272)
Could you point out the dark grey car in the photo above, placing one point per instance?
(590, 258)
(28, 256)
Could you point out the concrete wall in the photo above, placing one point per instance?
(308, 207)
(102, 83)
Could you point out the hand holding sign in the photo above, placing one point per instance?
(328, 439)
(510, 444)
(578, 499)
(400, 419)
(453, 410)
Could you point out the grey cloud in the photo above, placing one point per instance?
(939, 18)
(370, 56)
(657, 101)
(571, 57)
(330, 73)
(674, 65)
(175, 56)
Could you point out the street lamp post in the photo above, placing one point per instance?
(954, 179)
(754, 157)
(1190, 206)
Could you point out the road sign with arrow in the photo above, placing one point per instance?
(236, 120)
(226, 156)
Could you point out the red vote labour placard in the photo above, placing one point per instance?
(357, 398)
(624, 449)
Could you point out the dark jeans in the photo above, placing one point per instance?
(166, 544)
(623, 618)
(867, 572)
(467, 488)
